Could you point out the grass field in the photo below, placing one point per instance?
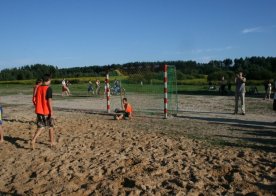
(81, 89)
(139, 96)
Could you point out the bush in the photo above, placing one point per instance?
(216, 76)
(74, 81)
(198, 81)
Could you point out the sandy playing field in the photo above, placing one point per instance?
(205, 150)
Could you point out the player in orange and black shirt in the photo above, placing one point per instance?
(127, 112)
(44, 109)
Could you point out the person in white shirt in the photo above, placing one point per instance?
(240, 92)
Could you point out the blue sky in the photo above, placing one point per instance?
(70, 33)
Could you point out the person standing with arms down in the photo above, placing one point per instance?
(269, 88)
(274, 96)
(240, 92)
(44, 110)
(98, 87)
(222, 86)
(63, 88)
(90, 88)
(1, 129)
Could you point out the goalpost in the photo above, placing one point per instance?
(151, 89)
(170, 91)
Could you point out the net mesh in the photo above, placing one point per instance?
(144, 89)
(172, 90)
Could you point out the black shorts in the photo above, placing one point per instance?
(44, 121)
(126, 115)
(1, 115)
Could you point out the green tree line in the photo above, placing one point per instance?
(255, 68)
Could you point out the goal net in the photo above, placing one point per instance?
(143, 86)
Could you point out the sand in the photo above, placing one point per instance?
(197, 153)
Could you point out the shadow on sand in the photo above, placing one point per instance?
(14, 140)
(229, 121)
(260, 136)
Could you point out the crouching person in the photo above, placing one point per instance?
(127, 113)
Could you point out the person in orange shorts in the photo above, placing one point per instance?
(127, 113)
(44, 110)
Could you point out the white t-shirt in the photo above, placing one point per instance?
(63, 83)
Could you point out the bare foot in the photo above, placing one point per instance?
(32, 143)
(52, 144)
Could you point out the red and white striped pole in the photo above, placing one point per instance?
(165, 91)
(107, 93)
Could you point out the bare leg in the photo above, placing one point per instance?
(120, 117)
(67, 93)
(243, 102)
(1, 134)
(236, 103)
(37, 133)
(52, 136)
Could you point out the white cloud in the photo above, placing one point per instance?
(198, 51)
(253, 30)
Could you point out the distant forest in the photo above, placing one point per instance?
(255, 68)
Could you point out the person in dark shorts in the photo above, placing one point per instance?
(44, 110)
(1, 123)
(127, 113)
(90, 88)
(274, 97)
